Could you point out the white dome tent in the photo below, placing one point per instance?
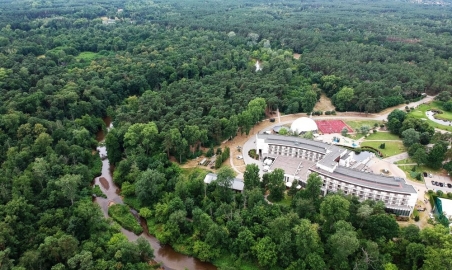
(303, 124)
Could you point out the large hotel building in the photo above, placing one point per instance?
(339, 168)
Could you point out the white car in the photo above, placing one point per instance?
(239, 157)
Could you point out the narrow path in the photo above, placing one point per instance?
(397, 157)
(231, 162)
(266, 199)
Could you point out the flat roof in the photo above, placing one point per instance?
(362, 156)
(288, 164)
(370, 180)
(332, 157)
(331, 154)
(237, 184)
(294, 142)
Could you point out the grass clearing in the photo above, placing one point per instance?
(419, 113)
(383, 136)
(286, 201)
(355, 125)
(391, 148)
(88, 56)
(121, 214)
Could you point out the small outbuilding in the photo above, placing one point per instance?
(237, 184)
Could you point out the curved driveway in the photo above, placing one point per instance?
(251, 143)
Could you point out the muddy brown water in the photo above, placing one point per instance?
(164, 254)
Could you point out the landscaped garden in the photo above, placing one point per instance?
(391, 148)
(355, 125)
(382, 136)
(420, 113)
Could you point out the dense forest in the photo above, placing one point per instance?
(176, 76)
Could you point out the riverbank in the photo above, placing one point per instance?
(165, 255)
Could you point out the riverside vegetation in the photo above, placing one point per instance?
(177, 77)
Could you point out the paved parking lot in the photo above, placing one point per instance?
(438, 178)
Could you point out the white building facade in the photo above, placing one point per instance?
(300, 157)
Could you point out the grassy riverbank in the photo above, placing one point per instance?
(121, 214)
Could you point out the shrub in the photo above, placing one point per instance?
(382, 125)
(145, 212)
(333, 112)
(374, 131)
(121, 214)
(253, 154)
(416, 218)
(218, 161)
(419, 176)
(382, 146)
(327, 113)
(209, 152)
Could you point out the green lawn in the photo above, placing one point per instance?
(419, 113)
(391, 149)
(286, 201)
(382, 136)
(355, 136)
(355, 125)
(405, 161)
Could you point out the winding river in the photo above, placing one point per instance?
(166, 255)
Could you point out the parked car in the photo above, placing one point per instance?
(430, 175)
(425, 174)
(434, 183)
(449, 185)
(441, 184)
